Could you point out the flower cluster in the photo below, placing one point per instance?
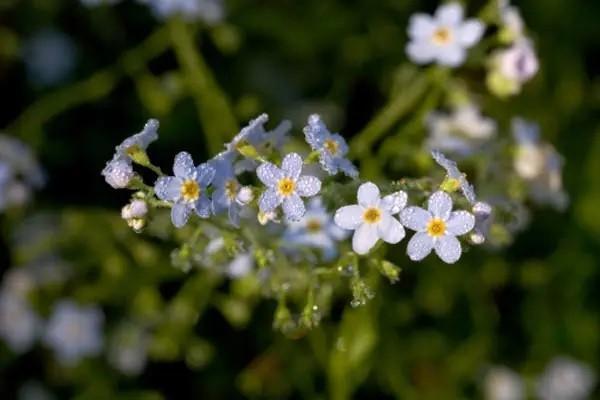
(209, 11)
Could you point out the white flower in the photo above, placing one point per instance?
(19, 325)
(437, 228)
(74, 331)
(566, 379)
(371, 218)
(286, 186)
(241, 265)
(518, 62)
(460, 132)
(245, 196)
(502, 383)
(442, 38)
(128, 349)
(455, 175)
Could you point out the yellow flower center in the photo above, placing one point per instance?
(331, 146)
(313, 225)
(442, 36)
(231, 189)
(372, 216)
(190, 190)
(286, 186)
(436, 227)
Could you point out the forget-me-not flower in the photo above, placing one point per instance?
(74, 331)
(210, 11)
(455, 175)
(286, 186)
(187, 189)
(227, 189)
(19, 324)
(436, 228)
(566, 379)
(332, 147)
(442, 38)
(316, 229)
(119, 171)
(372, 218)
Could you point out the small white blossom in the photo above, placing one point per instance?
(245, 195)
(566, 379)
(74, 331)
(372, 218)
(136, 209)
(502, 383)
(454, 174)
(460, 132)
(286, 186)
(437, 228)
(443, 38)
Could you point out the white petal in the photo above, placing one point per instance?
(269, 174)
(460, 222)
(448, 249)
(421, 26)
(292, 165)
(419, 246)
(308, 186)
(168, 188)
(470, 32)
(451, 55)
(368, 194)
(364, 238)
(421, 52)
(183, 166)
(449, 14)
(180, 213)
(415, 218)
(395, 202)
(440, 205)
(269, 200)
(206, 174)
(390, 229)
(293, 207)
(349, 217)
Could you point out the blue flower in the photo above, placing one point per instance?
(316, 230)
(285, 187)
(332, 147)
(454, 173)
(119, 171)
(49, 57)
(209, 11)
(227, 187)
(187, 189)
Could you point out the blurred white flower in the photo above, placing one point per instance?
(241, 265)
(74, 331)
(136, 209)
(443, 38)
(502, 383)
(49, 57)
(437, 228)
(459, 132)
(19, 324)
(209, 11)
(565, 379)
(372, 218)
(511, 67)
(128, 349)
(513, 27)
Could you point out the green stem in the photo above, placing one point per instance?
(29, 124)
(217, 118)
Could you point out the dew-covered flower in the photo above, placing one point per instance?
(511, 67)
(566, 379)
(539, 165)
(19, 324)
(316, 230)
(483, 221)
(502, 383)
(226, 196)
(459, 132)
(135, 214)
(332, 147)
(444, 37)
(128, 349)
(187, 189)
(436, 228)
(455, 178)
(74, 331)
(119, 171)
(209, 11)
(372, 218)
(286, 186)
(49, 57)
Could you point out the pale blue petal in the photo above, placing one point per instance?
(450, 14)
(448, 249)
(168, 188)
(205, 174)
(419, 246)
(349, 217)
(415, 218)
(364, 238)
(183, 167)
(269, 174)
(390, 230)
(440, 205)
(203, 207)
(292, 165)
(308, 186)
(269, 200)
(460, 222)
(293, 207)
(368, 194)
(180, 213)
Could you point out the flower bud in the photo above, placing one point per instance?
(136, 209)
(118, 173)
(245, 195)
